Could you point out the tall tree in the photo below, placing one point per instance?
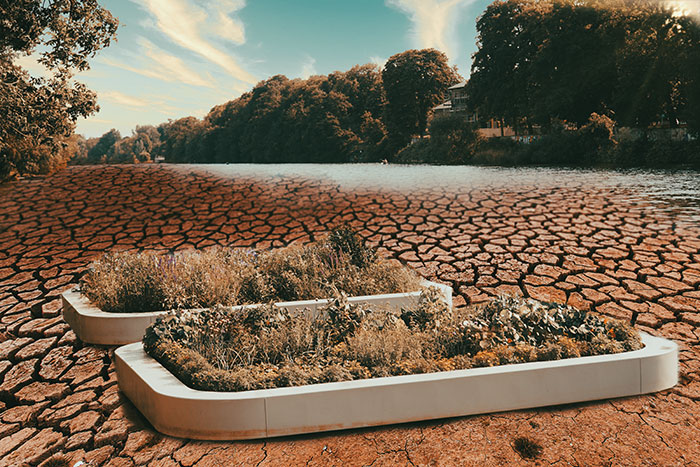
(100, 151)
(177, 138)
(573, 72)
(499, 83)
(39, 113)
(544, 60)
(414, 81)
(692, 71)
(654, 76)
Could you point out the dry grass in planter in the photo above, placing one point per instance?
(236, 350)
(341, 262)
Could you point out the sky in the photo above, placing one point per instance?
(176, 58)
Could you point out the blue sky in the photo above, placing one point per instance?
(176, 58)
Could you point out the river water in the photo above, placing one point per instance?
(676, 192)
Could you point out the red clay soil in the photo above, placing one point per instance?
(59, 397)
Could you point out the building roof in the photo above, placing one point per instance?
(461, 85)
(447, 105)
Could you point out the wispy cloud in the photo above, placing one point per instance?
(163, 66)
(434, 22)
(156, 104)
(190, 26)
(308, 68)
(227, 27)
(123, 99)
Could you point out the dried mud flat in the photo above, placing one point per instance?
(590, 247)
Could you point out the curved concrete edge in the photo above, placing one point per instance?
(177, 410)
(95, 326)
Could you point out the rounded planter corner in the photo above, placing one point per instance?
(177, 410)
(95, 326)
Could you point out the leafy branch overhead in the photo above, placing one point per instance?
(39, 113)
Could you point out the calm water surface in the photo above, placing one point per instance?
(677, 192)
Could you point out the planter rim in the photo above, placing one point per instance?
(95, 326)
(135, 353)
(212, 415)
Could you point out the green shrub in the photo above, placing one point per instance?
(453, 140)
(343, 240)
(498, 151)
(419, 152)
(228, 349)
(585, 146)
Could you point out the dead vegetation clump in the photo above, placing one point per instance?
(148, 281)
(527, 448)
(226, 349)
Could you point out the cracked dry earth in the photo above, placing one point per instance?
(591, 247)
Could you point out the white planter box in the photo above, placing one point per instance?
(176, 410)
(95, 326)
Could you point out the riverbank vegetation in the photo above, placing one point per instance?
(594, 144)
(236, 350)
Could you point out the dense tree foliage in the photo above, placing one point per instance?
(39, 113)
(98, 152)
(334, 118)
(453, 139)
(548, 60)
(415, 81)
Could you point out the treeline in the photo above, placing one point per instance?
(144, 145)
(363, 114)
(572, 72)
(544, 62)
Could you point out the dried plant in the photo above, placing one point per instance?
(527, 448)
(232, 349)
(132, 282)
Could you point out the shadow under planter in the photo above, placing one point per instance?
(177, 410)
(95, 326)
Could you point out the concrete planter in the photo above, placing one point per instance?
(95, 326)
(176, 410)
